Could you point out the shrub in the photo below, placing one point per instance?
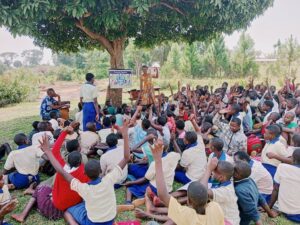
(12, 93)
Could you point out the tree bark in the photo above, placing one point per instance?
(116, 62)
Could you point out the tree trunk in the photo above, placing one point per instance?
(116, 62)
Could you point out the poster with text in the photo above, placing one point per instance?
(120, 78)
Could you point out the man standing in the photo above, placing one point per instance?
(50, 104)
(88, 98)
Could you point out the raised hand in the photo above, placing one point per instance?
(44, 144)
(69, 129)
(124, 128)
(157, 149)
(192, 117)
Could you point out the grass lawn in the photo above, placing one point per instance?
(17, 119)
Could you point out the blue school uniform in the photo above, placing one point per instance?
(271, 169)
(88, 114)
(180, 175)
(248, 199)
(139, 190)
(79, 212)
(21, 181)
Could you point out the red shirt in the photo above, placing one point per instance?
(62, 195)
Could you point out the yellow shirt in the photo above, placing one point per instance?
(100, 199)
(25, 161)
(169, 164)
(88, 92)
(184, 215)
(277, 148)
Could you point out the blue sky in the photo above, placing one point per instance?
(278, 22)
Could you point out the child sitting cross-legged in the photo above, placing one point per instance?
(248, 195)
(198, 211)
(99, 206)
(26, 163)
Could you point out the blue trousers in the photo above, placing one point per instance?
(21, 181)
(137, 170)
(181, 177)
(89, 114)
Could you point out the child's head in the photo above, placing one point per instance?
(74, 159)
(288, 117)
(92, 169)
(274, 116)
(56, 133)
(241, 156)
(235, 125)
(296, 140)
(153, 133)
(162, 120)
(291, 103)
(53, 115)
(190, 138)
(223, 172)
(234, 109)
(296, 156)
(205, 127)
(90, 126)
(106, 122)
(242, 170)
(216, 145)
(89, 77)
(42, 126)
(35, 125)
(73, 145)
(146, 124)
(267, 106)
(180, 125)
(112, 140)
(113, 120)
(21, 139)
(272, 132)
(197, 196)
(119, 110)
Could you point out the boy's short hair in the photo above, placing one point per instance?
(162, 120)
(276, 115)
(296, 140)
(206, 126)
(146, 124)
(197, 195)
(296, 156)
(226, 169)
(90, 126)
(236, 107)
(42, 126)
(113, 119)
(112, 140)
(269, 103)
(152, 131)
(92, 169)
(106, 121)
(35, 125)
(274, 129)
(72, 145)
(191, 137)
(294, 101)
(243, 169)
(242, 156)
(89, 77)
(237, 121)
(74, 159)
(53, 115)
(217, 143)
(20, 139)
(56, 133)
(180, 124)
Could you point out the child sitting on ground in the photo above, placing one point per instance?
(52, 201)
(248, 195)
(34, 131)
(193, 160)
(43, 129)
(198, 211)
(89, 138)
(53, 120)
(26, 162)
(223, 191)
(216, 146)
(99, 204)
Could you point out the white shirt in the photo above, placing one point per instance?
(39, 137)
(79, 118)
(277, 148)
(288, 176)
(87, 140)
(166, 137)
(262, 178)
(100, 199)
(88, 92)
(103, 133)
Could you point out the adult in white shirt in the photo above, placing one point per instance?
(88, 98)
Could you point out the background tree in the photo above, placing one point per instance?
(8, 58)
(17, 63)
(244, 57)
(32, 57)
(108, 24)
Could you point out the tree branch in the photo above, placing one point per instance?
(100, 38)
(172, 7)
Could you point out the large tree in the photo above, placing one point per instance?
(69, 25)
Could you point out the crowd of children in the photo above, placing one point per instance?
(234, 153)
